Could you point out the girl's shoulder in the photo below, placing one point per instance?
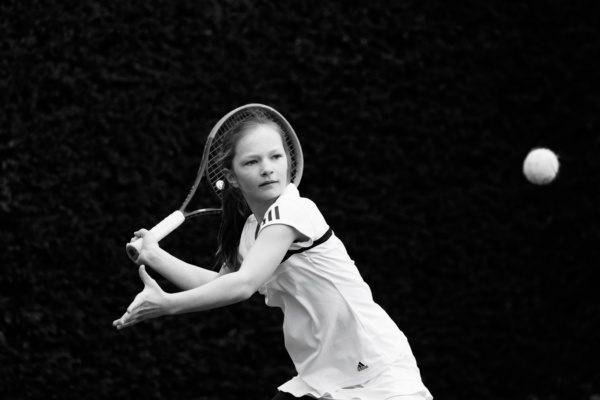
(291, 203)
(298, 212)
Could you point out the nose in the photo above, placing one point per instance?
(267, 169)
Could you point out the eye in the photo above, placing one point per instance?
(250, 162)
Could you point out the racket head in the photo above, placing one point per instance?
(214, 177)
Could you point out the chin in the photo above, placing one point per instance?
(275, 190)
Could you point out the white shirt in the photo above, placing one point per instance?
(335, 334)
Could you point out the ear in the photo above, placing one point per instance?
(231, 178)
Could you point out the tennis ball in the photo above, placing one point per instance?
(541, 166)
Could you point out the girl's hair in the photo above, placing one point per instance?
(235, 209)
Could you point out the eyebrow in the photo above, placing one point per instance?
(254, 154)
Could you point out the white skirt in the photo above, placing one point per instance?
(401, 381)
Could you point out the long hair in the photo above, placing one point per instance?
(235, 209)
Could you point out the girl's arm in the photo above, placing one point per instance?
(258, 267)
(181, 274)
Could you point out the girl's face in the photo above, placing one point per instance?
(260, 166)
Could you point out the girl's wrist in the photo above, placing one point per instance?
(169, 306)
(152, 255)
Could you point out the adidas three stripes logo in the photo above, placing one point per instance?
(273, 214)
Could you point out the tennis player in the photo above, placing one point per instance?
(344, 346)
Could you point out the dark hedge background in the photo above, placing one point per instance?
(414, 117)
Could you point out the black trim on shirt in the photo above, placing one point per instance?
(317, 242)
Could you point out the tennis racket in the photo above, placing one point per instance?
(211, 170)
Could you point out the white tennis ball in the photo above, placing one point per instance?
(541, 166)
(220, 184)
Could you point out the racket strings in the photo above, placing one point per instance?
(214, 173)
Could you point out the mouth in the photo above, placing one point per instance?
(267, 183)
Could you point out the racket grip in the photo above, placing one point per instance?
(162, 229)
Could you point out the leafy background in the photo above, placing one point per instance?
(414, 118)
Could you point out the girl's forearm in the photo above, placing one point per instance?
(226, 290)
(181, 274)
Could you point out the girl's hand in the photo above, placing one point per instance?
(150, 303)
(149, 245)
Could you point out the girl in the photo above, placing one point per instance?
(343, 345)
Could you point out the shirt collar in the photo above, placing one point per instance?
(290, 191)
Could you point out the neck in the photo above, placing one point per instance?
(259, 210)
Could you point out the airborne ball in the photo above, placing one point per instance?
(541, 166)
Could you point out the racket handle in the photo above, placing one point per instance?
(162, 229)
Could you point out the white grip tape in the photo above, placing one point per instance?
(162, 229)
(167, 225)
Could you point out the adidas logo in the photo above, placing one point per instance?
(361, 367)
